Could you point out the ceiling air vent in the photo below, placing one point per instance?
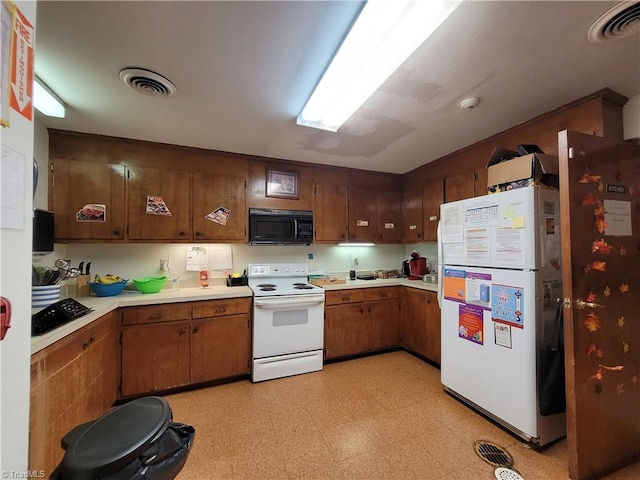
(148, 82)
(618, 22)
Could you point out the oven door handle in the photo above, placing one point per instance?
(298, 301)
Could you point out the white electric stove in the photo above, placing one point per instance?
(288, 321)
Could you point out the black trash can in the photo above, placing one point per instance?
(137, 440)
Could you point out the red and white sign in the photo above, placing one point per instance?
(22, 67)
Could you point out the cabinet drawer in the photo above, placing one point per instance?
(156, 313)
(336, 297)
(217, 308)
(382, 293)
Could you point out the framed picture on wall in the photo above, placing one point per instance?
(282, 184)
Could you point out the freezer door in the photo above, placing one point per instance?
(518, 229)
(490, 320)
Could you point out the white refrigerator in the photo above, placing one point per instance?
(499, 287)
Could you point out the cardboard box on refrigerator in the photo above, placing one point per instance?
(507, 171)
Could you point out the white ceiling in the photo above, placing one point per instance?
(244, 69)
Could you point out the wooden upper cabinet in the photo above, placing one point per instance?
(158, 204)
(362, 215)
(461, 186)
(210, 192)
(389, 211)
(432, 198)
(330, 210)
(412, 227)
(76, 184)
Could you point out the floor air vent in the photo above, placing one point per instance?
(502, 473)
(620, 21)
(493, 454)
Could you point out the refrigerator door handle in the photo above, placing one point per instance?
(440, 263)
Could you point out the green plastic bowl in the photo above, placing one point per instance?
(150, 284)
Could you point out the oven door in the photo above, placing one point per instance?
(287, 324)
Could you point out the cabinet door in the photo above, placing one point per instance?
(345, 330)
(211, 192)
(433, 196)
(155, 357)
(432, 320)
(76, 184)
(158, 204)
(412, 216)
(389, 210)
(72, 381)
(384, 323)
(330, 207)
(461, 186)
(414, 332)
(362, 215)
(220, 347)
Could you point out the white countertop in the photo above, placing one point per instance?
(103, 305)
(383, 282)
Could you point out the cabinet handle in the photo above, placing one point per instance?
(182, 234)
(196, 329)
(183, 331)
(221, 310)
(369, 309)
(116, 232)
(92, 339)
(429, 300)
(346, 299)
(85, 345)
(198, 234)
(156, 316)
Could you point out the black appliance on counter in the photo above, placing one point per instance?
(268, 226)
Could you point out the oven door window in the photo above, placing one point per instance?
(289, 318)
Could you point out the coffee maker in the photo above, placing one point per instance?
(416, 267)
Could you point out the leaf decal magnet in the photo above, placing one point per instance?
(589, 200)
(621, 321)
(634, 378)
(588, 178)
(601, 186)
(591, 298)
(599, 266)
(592, 322)
(606, 291)
(623, 251)
(597, 375)
(601, 246)
(624, 288)
(625, 347)
(601, 225)
(613, 369)
(620, 388)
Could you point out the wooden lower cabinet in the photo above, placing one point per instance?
(73, 381)
(174, 345)
(361, 320)
(420, 329)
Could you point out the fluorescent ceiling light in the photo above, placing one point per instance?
(46, 101)
(357, 244)
(382, 38)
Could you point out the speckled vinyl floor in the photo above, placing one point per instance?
(379, 417)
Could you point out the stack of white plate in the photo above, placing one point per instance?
(44, 295)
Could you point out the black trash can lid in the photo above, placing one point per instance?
(116, 438)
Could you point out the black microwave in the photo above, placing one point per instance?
(269, 226)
